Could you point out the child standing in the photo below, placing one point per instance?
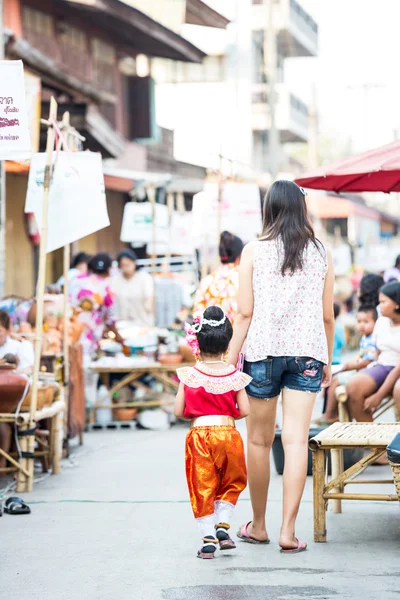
(212, 395)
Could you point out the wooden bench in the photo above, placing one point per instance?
(373, 436)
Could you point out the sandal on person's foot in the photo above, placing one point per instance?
(301, 547)
(225, 541)
(208, 549)
(322, 422)
(16, 506)
(243, 534)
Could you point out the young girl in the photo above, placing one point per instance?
(212, 396)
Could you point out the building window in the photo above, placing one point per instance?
(212, 69)
(38, 28)
(74, 49)
(259, 66)
(104, 65)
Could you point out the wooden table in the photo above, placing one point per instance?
(372, 436)
(164, 374)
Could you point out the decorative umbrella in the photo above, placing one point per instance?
(373, 171)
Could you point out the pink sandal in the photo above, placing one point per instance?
(243, 535)
(301, 547)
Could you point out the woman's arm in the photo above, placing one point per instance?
(245, 305)
(329, 318)
(179, 407)
(243, 403)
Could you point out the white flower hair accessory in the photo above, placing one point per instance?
(200, 321)
(192, 329)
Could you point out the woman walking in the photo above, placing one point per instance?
(286, 313)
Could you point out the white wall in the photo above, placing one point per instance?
(209, 118)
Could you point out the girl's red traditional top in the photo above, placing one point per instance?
(213, 392)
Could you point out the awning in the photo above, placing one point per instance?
(147, 177)
(199, 13)
(377, 170)
(16, 168)
(335, 207)
(135, 30)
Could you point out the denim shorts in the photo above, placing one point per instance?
(274, 373)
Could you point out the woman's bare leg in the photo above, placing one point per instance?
(359, 388)
(396, 397)
(297, 411)
(260, 436)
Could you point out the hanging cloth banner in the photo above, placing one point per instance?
(137, 223)
(77, 200)
(15, 143)
(240, 212)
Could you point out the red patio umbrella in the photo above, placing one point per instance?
(373, 171)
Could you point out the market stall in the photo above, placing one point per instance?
(60, 183)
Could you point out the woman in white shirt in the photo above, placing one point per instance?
(25, 359)
(134, 290)
(286, 316)
(362, 388)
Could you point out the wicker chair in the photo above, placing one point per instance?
(344, 416)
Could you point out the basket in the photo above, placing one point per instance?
(45, 397)
(396, 476)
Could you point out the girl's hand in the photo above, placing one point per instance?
(372, 403)
(327, 376)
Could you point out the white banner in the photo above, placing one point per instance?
(77, 200)
(137, 223)
(240, 212)
(181, 234)
(15, 142)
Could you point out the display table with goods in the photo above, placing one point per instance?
(48, 419)
(139, 375)
(374, 437)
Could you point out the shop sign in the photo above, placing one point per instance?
(15, 141)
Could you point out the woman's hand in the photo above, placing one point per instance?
(327, 376)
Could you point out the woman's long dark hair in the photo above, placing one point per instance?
(285, 216)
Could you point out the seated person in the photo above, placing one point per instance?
(23, 350)
(366, 319)
(368, 381)
(19, 353)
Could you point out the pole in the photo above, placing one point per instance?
(220, 188)
(270, 52)
(66, 259)
(2, 182)
(40, 289)
(313, 132)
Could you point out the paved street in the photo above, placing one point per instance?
(116, 524)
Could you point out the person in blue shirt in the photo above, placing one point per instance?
(339, 341)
